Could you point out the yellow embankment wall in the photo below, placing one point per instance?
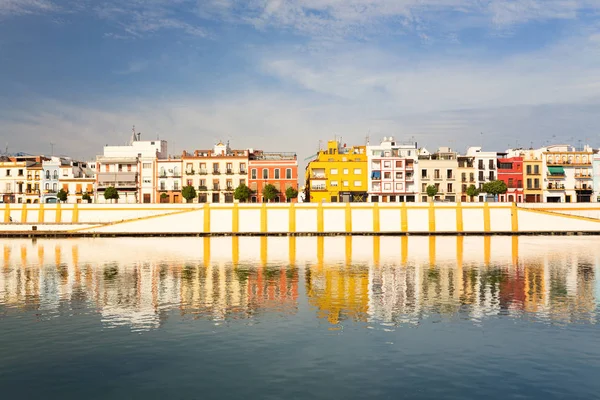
(307, 218)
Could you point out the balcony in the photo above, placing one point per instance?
(203, 172)
(216, 172)
(583, 176)
(202, 188)
(534, 188)
(410, 178)
(229, 189)
(555, 187)
(243, 172)
(583, 188)
(451, 178)
(319, 188)
(216, 188)
(319, 176)
(229, 172)
(190, 172)
(409, 167)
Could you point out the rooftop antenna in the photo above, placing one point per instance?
(368, 138)
(52, 149)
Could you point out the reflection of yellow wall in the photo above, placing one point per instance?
(334, 161)
(535, 287)
(339, 293)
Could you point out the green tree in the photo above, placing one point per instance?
(86, 197)
(291, 193)
(62, 195)
(472, 191)
(163, 197)
(111, 193)
(270, 192)
(494, 188)
(242, 193)
(188, 193)
(431, 191)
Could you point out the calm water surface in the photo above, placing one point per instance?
(304, 318)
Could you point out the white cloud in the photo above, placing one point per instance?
(21, 7)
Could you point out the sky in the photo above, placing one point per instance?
(281, 75)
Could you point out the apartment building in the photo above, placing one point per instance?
(569, 175)
(532, 175)
(485, 165)
(438, 169)
(12, 179)
(596, 181)
(277, 169)
(215, 173)
(170, 180)
(77, 179)
(131, 169)
(510, 171)
(338, 174)
(391, 171)
(466, 173)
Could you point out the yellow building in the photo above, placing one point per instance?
(532, 176)
(338, 174)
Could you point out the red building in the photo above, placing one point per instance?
(510, 171)
(278, 169)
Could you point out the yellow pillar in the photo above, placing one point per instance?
(404, 216)
(292, 218)
(58, 217)
(24, 213)
(41, 214)
(514, 213)
(376, 222)
(206, 218)
(7, 213)
(75, 217)
(431, 217)
(486, 217)
(263, 218)
(432, 251)
(348, 218)
(376, 249)
(348, 250)
(404, 246)
(320, 222)
(235, 219)
(459, 217)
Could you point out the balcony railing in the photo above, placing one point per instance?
(229, 172)
(583, 188)
(318, 188)
(190, 172)
(203, 172)
(216, 172)
(583, 176)
(202, 188)
(319, 176)
(243, 172)
(216, 188)
(555, 187)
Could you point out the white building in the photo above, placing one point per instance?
(391, 177)
(131, 169)
(568, 176)
(485, 166)
(169, 180)
(50, 179)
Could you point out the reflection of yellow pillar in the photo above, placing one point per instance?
(263, 249)
(460, 245)
(41, 214)
(431, 217)
(6, 256)
(404, 245)
(58, 214)
(206, 249)
(75, 256)
(486, 217)
(348, 218)
(487, 249)
(376, 224)
(320, 217)
(263, 218)
(292, 218)
(24, 213)
(376, 249)
(40, 255)
(292, 247)
(514, 213)
(235, 250)
(57, 255)
(459, 217)
(432, 251)
(75, 217)
(207, 218)
(320, 250)
(23, 256)
(404, 217)
(7, 213)
(515, 250)
(235, 218)
(348, 250)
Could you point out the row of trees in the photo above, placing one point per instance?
(243, 193)
(494, 188)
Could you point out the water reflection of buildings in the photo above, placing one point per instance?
(387, 279)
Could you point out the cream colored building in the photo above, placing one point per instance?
(12, 180)
(438, 169)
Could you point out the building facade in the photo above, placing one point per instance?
(277, 169)
(596, 172)
(77, 179)
(50, 179)
(532, 176)
(391, 171)
(439, 170)
(486, 167)
(466, 174)
(12, 180)
(338, 174)
(215, 173)
(569, 177)
(170, 180)
(510, 171)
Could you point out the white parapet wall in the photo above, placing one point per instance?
(302, 219)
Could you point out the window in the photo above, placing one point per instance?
(265, 173)
(8, 172)
(399, 186)
(450, 188)
(536, 169)
(449, 174)
(215, 168)
(333, 183)
(345, 171)
(54, 187)
(147, 181)
(55, 174)
(189, 182)
(242, 182)
(20, 173)
(128, 167)
(203, 183)
(387, 175)
(398, 164)
(357, 183)
(423, 173)
(399, 175)
(229, 184)
(120, 167)
(387, 164)
(357, 171)
(387, 186)
(345, 183)
(229, 167)
(510, 182)
(163, 185)
(288, 173)
(47, 187)
(536, 183)
(276, 173)
(253, 173)
(162, 171)
(334, 171)
(47, 174)
(242, 168)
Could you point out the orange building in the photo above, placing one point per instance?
(278, 169)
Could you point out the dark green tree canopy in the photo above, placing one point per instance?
(270, 192)
(111, 193)
(188, 193)
(291, 193)
(472, 191)
(495, 187)
(62, 195)
(431, 190)
(242, 193)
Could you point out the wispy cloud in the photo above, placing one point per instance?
(21, 7)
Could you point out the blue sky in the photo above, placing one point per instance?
(280, 75)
